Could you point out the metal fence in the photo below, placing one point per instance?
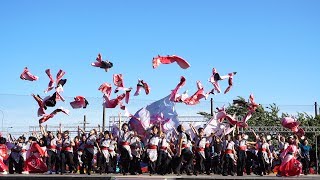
(182, 119)
(18, 112)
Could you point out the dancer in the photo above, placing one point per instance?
(229, 157)
(51, 148)
(183, 152)
(16, 160)
(200, 144)
(165, 155)
(290, 166)
(3, 155)
(152, 149)
(136, 150)
(263, 155)
(91, 142)
(305, 152)
(67, 153)
(34, 162)
(125, 150)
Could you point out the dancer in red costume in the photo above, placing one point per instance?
(290, 166)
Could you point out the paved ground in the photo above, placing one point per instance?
(139, 177)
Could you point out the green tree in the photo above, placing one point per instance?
(269, 116)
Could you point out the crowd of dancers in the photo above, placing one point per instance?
(177, 153)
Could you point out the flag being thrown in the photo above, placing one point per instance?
(161, 112)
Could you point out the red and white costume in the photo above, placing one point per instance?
(34, 162)
(290, 166)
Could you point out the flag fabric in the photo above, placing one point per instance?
(217, 127)
(161, 112)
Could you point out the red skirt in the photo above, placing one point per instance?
(35, 165)
(291, 168)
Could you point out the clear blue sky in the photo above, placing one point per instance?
(273, 45)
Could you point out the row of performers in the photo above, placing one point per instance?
(175, 154)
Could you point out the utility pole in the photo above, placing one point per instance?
(316, 108)
(211, 105)
(84, 123)
(103, 118)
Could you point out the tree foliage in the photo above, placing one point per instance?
(267, 116)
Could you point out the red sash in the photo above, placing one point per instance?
(243, 148)
(263, 150)
(104, 148)
(200, 149)
(228, 151)
(66, 149)
(163, 148)
(152, 147)
(125, 144)
(52, 147)
(184, 146)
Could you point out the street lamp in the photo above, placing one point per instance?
(8, 130)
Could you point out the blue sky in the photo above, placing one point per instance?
(273, 45)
